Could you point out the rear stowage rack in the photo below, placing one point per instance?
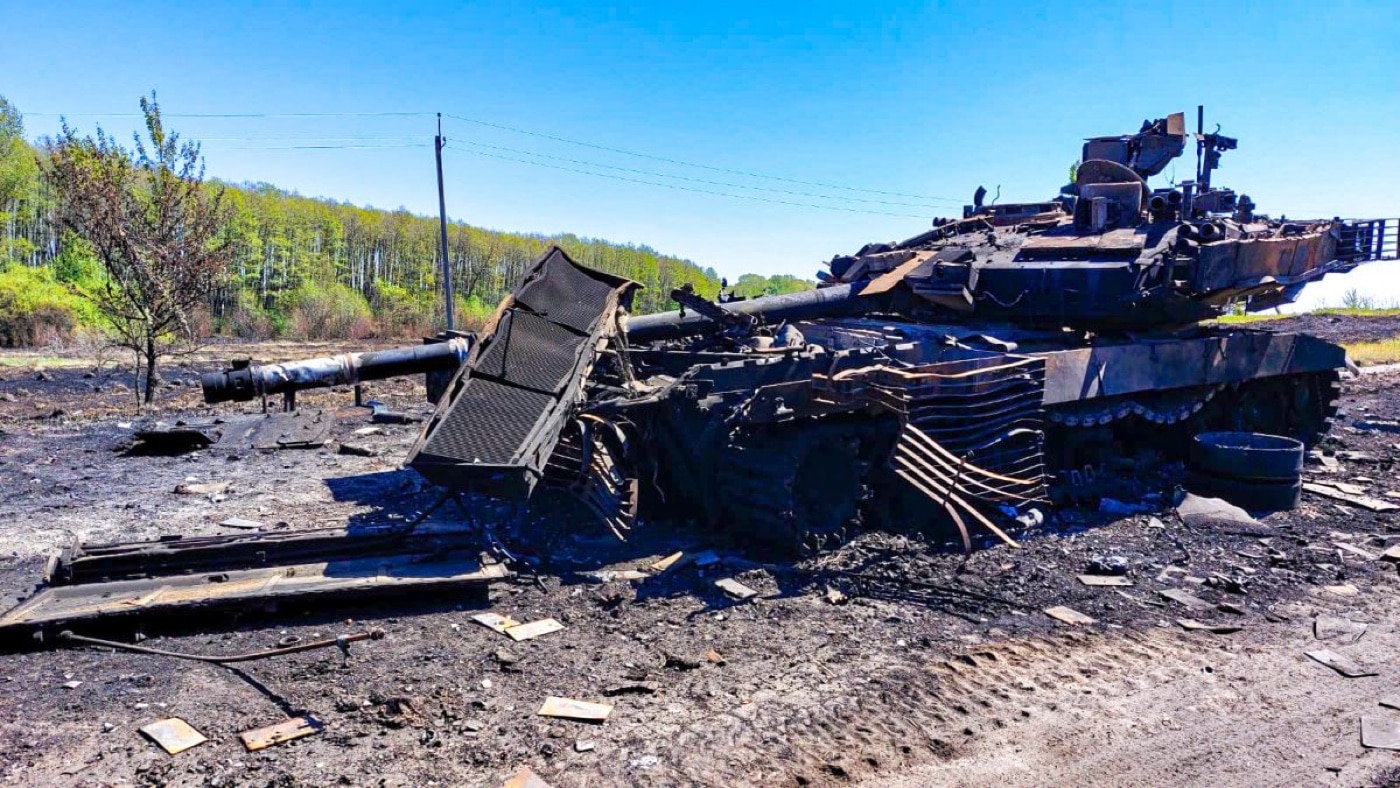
(1368, 239)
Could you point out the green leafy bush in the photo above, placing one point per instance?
(329, 311)
(401, 312)
(35, 309)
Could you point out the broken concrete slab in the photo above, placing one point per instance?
(284, 731)
(1340, 663)
(1345, 589)
(173, 735)
(239, 522)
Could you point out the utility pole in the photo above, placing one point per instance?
(438, 143)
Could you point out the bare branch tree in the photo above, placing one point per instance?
(155, 224)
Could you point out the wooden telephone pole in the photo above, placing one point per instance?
(438, 143)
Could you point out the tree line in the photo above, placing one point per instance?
(298, 266)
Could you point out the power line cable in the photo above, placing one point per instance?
(725, 184)
(751, 197)
(237, 115)
(682, 163)
(514, 130)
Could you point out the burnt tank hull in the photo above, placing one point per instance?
(970, 377)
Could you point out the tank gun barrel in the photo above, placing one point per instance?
(246, 381)
(821, 302)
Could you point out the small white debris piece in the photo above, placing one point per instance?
(568, 708)
(1068, 615)
(735, 589)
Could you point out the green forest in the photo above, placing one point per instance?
(302, 268)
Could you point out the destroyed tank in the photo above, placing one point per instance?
(972, 376)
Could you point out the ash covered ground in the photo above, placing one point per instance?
(892, 661)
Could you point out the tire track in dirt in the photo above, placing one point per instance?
(904, 713)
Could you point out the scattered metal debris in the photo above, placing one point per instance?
(207, 488)
(735, 589)
(533, 629)
(342, 642)
(1365, 502)
(93, 582)
(1340, 664)
(568, 708)
(1067, 615)
(239, 522)
(1186, 598)
(173, 735)
(668, 562)
(1215, 629)
(1380, 733)
(516, 630)
(287, 730)
(1105, 580)
(1343, 630)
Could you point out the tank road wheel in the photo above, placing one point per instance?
(796, 488)
(1297, 406)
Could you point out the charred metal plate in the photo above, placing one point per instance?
(303, 429)
(334, 579)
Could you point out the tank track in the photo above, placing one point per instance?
(1298, 406)
(798, 487)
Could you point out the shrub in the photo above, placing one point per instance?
(329, 311)
(247, 319)
(402, 313)
(472, 314)
(35, 309)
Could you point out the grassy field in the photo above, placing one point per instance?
(1342, 311)
(1386, 351)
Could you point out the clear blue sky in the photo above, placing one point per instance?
(910, 98)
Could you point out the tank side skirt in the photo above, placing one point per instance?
(1129, 368)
